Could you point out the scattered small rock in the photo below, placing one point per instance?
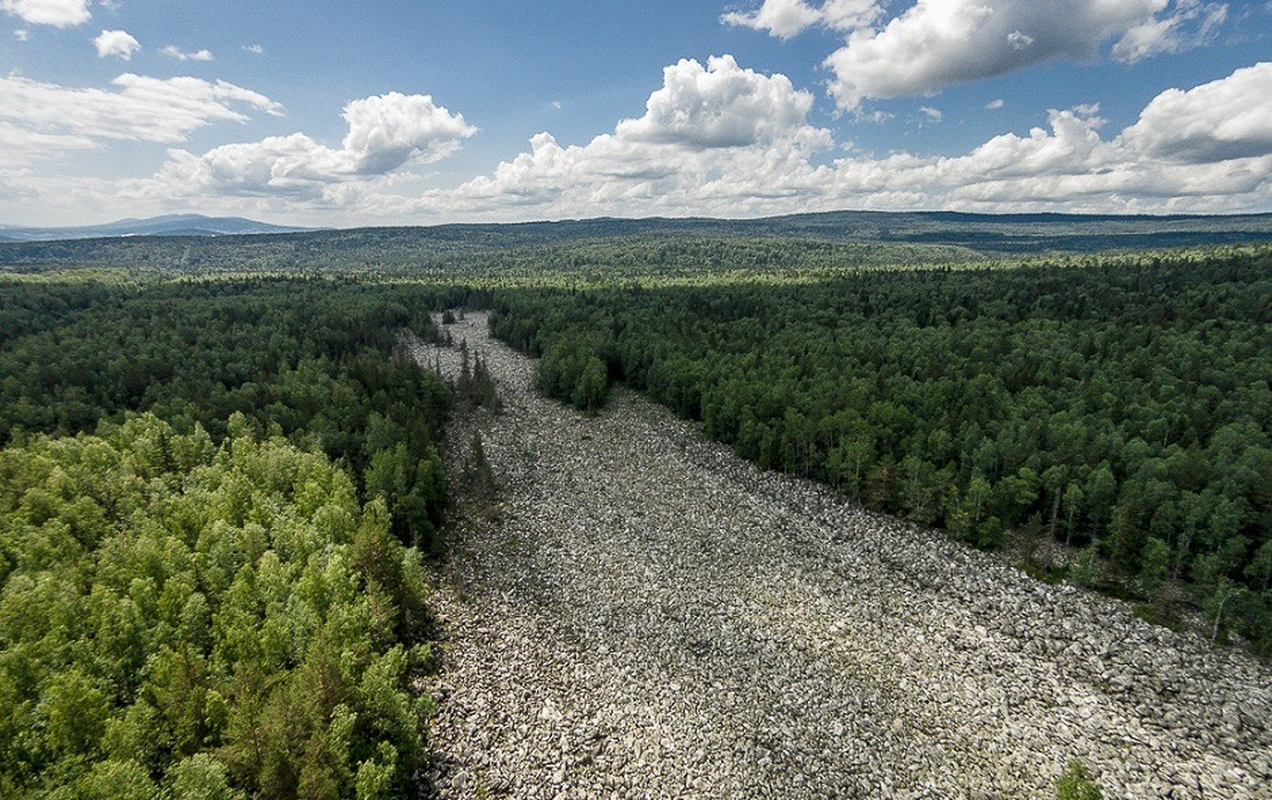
(674, 622)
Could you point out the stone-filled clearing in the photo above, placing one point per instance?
(649, 616)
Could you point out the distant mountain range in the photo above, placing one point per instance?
(169, 225)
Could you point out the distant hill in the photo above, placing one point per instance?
(192, 244)
(1011, 233)
(986, 233)
(168, 225)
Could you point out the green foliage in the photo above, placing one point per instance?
(310, 359)
(194, 603)
(115, 780)
(186, 620)
(572, 371)
(1076, 784)
(475, 387)
(1126, 404)
(411, 487)
(1155, 569)
(201, 777)
(683, 248)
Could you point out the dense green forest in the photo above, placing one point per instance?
(310, 359)
(598, 247)
(408, 254)
(216, 492)
(222, 598)
(1123, 409)
(213, 621)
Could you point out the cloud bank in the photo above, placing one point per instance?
(386, 132)
(1228, 119)
(710, 133)
(713, 139)
(1204, 149)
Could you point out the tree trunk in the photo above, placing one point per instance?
(1055, 516)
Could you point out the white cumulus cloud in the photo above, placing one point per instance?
(386, 132)
(116, 43)
(1230, 118)
(721, 105)
(58, 13)
(932, 44)
(708, 136)
(782, 18)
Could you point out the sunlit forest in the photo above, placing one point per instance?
(223, 595)
(222, 477)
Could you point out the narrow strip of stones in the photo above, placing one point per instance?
(649, 616)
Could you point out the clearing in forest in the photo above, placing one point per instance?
(648, 616)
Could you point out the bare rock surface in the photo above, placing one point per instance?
(649, 616)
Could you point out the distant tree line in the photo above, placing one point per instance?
(1123, 409)
(457, 252)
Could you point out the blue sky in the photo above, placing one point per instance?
(391, 113)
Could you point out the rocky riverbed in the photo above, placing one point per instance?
(649, 616)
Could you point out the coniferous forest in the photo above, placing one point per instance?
(219, 492)
(223, 596)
